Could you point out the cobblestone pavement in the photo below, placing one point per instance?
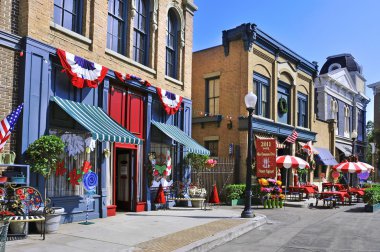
(347, 228)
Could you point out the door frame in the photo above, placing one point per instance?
(134, 174)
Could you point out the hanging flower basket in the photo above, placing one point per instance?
(282, 106)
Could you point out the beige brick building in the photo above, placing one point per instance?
(250, 60)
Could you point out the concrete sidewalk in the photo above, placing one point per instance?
(176, 229)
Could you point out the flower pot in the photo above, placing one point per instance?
(140, 206)
(52, 220)
(281, 203)
(233, 202)
(111, 210)
(17, 227)
(265, 203)
(276, 203)
(271, 203)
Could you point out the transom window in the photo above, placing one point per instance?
(261, 89)
(302, 110)
(212, 96)
(140, 32)
(171, 45)
(116, 30)
(68, 13)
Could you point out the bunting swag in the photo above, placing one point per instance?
(170, 101)
(83, 73)
(125, 77)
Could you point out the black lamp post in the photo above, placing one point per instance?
(250, 102)
(354, 135)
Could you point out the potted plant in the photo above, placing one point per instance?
(235, 194)
(198, 193)
(43, 155)
(372, 199)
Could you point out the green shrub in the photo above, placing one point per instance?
(372, 195)
(235, 191)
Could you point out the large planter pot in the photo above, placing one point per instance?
(372, 208)
(197, 203)
(17, 227)
(52, 220)
(241, 202)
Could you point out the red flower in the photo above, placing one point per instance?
(22, 196)
(155, 173)
(60, 169)
(74, 176)
(165, 173)
(6, 213)
(19, 191)
(30, 190)
(37, 200)
(86, 167)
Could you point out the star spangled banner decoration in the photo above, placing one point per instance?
(171, 102)
(7, 125)
(125, 77)
(83, 73)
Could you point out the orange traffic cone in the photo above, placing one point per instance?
(214, 198)
(160, 197)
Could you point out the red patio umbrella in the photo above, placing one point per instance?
(368, 166)
(350, 167)
(288, 161)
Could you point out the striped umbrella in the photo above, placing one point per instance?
(350, 167)
(368, 166)
(291, 161)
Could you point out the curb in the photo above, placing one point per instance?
(224, 236)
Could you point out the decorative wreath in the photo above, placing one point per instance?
(282, 106)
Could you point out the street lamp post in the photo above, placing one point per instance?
(250, 102)
(354, 135)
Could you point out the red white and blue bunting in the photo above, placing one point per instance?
(83, 73)
(171, 102)
(125, 77)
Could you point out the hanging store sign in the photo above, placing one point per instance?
(265, 157)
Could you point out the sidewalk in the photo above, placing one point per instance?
(176, 229)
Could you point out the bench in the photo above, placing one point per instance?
(25, 202)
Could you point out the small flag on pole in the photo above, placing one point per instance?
(7, 125)
(292, 137)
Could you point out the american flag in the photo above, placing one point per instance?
(292, 137)
(7, 125)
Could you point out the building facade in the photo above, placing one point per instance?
(251, 60)
(340, 96)
(134, 56)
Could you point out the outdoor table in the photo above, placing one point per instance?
(297, 190)
(341, 195)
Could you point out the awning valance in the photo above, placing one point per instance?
(181, 137)
(324, 157)
(346, 149)
(101, 126)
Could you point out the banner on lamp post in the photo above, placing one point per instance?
(265, 157)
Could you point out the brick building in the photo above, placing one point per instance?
(149, 42)
(251, 60)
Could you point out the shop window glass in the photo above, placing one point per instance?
(59, 186)
(117, 26)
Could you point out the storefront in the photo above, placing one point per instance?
(110, 122)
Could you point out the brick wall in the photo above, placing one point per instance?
(9, 18)
(9, 89)
(39, 15)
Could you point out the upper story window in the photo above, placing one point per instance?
(212, 146)
(68, 14)
(212, 96)
(117, 26)
(334, 113)
(283, 102)
(171, 44)
(141, 32)
(361, 126)
(346, 121)
(302, 110)
(261, 87)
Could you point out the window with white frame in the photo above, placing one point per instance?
(346, 121)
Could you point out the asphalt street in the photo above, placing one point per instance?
(347, 228)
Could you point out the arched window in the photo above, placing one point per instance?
(141, 32)
(171, 45)
(117, 26)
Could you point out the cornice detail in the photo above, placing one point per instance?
(263, 55)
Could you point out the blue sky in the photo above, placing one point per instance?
(315, 29)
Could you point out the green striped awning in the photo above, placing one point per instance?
(179, 136)
(101, 126)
